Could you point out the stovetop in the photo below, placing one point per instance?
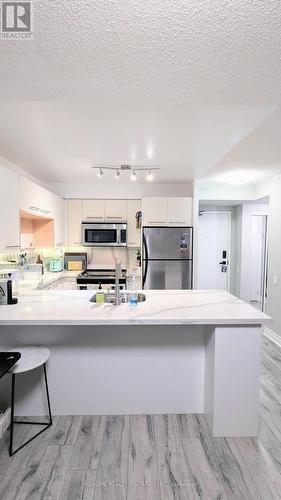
(94, 276)
(89, 273)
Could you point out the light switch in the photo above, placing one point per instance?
(275, 279)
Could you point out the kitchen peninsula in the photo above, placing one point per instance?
(178, 352)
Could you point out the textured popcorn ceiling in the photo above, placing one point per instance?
(180, 83)
(197, 51)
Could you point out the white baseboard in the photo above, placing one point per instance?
(271, 335)
(4, 421)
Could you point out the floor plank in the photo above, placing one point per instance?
(143, 476)
(174, 477)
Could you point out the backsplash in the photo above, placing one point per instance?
(97, 257)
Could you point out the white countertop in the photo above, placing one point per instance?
(44, 280)
(165, 307)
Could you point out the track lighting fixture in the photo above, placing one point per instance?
(133, 170)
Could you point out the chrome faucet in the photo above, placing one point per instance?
(118, 276)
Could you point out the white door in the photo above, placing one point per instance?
(214, 250)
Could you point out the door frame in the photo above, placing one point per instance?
(264, 213)
(220, 212)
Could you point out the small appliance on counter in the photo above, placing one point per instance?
(75, 261)
(56, 265)
(6, 289)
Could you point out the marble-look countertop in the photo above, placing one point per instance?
(44, 280)
(162, 307)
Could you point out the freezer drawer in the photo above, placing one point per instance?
(167, 275)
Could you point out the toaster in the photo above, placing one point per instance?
(56, 265)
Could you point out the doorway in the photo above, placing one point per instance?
(214, 237)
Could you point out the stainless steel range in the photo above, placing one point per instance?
(92, 278)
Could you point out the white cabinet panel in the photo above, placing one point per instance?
(93, 210)
(115, 210)
(155, 211)
(60, 222)
(35, 199)
(133, 234)
(171, 211)
(74, 219)
(180, 211)
(9, 209)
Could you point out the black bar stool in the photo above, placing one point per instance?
(31, 358)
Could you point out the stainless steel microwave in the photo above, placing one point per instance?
(104, 234)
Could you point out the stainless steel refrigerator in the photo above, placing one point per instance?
(167, 258)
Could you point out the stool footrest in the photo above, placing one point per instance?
(30, 423)
(46, 426)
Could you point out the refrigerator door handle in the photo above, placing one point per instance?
(145, 260)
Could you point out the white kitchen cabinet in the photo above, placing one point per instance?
(115, 210)
(59, 217)
(155, 211)
(171, 211)
(35, 199)
(74, 219)
(133, 234)
(180, 211)
(9, 210)
(93, 210)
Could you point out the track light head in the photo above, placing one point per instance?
(150, 176)
(100, 172)
(133, 176)
(117, 174)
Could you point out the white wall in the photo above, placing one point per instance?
(273, 307)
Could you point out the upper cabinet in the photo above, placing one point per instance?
(74, 219)
(115, 210)
(155, 211)
(93, 210)
(104, 210)
(34, 198)
(59, 216)
(9, 210)
(180, 211)
(172, 211)
(37, 201)
(133, 234)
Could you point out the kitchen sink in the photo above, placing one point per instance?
(109, 298)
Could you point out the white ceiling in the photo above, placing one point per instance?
(179, 83)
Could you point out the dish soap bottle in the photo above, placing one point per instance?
(100, 295)
(133, 294)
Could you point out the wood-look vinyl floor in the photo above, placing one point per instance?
(150, 456)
